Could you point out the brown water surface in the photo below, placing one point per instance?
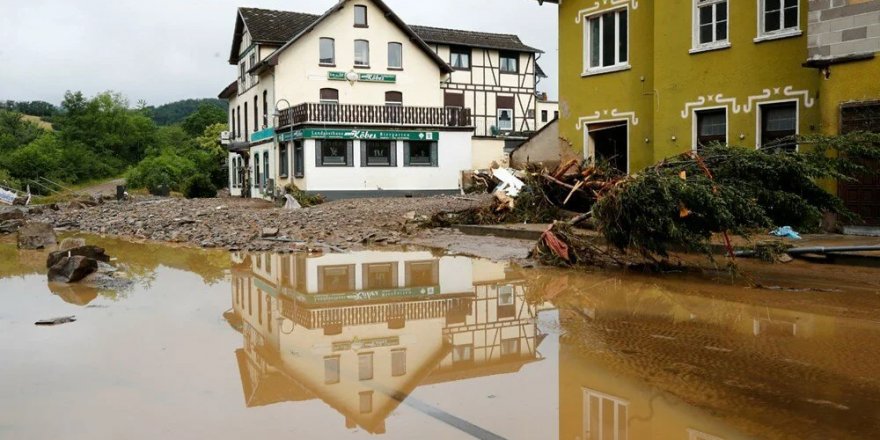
(408, 343)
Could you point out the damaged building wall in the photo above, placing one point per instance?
(545, 148)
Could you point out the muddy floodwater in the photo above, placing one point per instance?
(407, 343)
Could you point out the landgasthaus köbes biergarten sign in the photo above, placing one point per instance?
(349, 134)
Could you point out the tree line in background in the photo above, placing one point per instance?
(103, 137)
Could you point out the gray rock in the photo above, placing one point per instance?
(10, 226)
(70, 243)
(11, 214)
(93, 252)
(72, 269)
(269, 232)
(36, 236)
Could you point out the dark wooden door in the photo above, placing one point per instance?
(862, 196)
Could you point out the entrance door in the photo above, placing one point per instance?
(607, 143)
(863, 195)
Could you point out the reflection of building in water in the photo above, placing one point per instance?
(638, 361)
(360, 331)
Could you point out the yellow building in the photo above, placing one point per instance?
(639, 83)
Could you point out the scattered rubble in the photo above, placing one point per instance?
(255, 225)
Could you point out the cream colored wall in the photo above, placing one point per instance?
(299, 78)
(488, 153)
(550, 107)
(546, 148)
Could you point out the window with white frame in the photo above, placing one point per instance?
(779, 125)
(607, 41)
(710, 24)
(395, 56)
(327, 48)
(779, 17)
(605, 416)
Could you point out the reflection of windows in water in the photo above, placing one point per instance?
(366, 402)
(380, 276)
(462, 353)
(505, 295)
(773, 327)
(285, 270)
(422, 273)
(268, 262)
(509, 347)
(693, 434)
(331, 370)
(398, 363)
(605, 416)
(335, 279)
(300, 274)
(365, 366)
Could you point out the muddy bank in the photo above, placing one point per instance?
(238, 224)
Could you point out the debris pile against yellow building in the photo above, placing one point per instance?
(640, 82)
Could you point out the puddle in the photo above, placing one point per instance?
(414, 344)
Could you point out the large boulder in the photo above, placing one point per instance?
(36, 236)
(93, 252)
(72, 269)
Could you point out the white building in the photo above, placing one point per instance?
(361, 331)
(355, 102)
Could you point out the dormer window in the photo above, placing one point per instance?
(360, 16)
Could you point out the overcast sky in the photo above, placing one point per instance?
(166, 50)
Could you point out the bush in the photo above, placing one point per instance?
(199, 187)
(305, 200)
(167, 170)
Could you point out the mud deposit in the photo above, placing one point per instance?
(405, 343)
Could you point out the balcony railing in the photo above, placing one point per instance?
(348, 114)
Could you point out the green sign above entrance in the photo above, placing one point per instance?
(363, 77)
(370, 295)
(379, 135)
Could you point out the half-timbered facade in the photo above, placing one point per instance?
(494, 75)
(355, 102)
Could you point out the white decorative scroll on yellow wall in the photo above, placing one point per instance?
(634, 4)
(767, 94)
(606, 116)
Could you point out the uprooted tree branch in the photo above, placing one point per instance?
(682, 202)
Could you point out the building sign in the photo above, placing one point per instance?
(366, 344)
(367, 295)
(347, 134)
(262, 135)
(364, 77)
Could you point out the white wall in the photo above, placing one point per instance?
(300, 78)
(454, 156)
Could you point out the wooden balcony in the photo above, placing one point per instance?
(375, 115)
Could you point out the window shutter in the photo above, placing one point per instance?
(393, 153)
(349, 153)
(406, 154)
(363, 153)
(434, 154)
(317, 153)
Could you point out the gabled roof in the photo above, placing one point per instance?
(389, 14)
(230, 91)
(267, 26)
(484, 40)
